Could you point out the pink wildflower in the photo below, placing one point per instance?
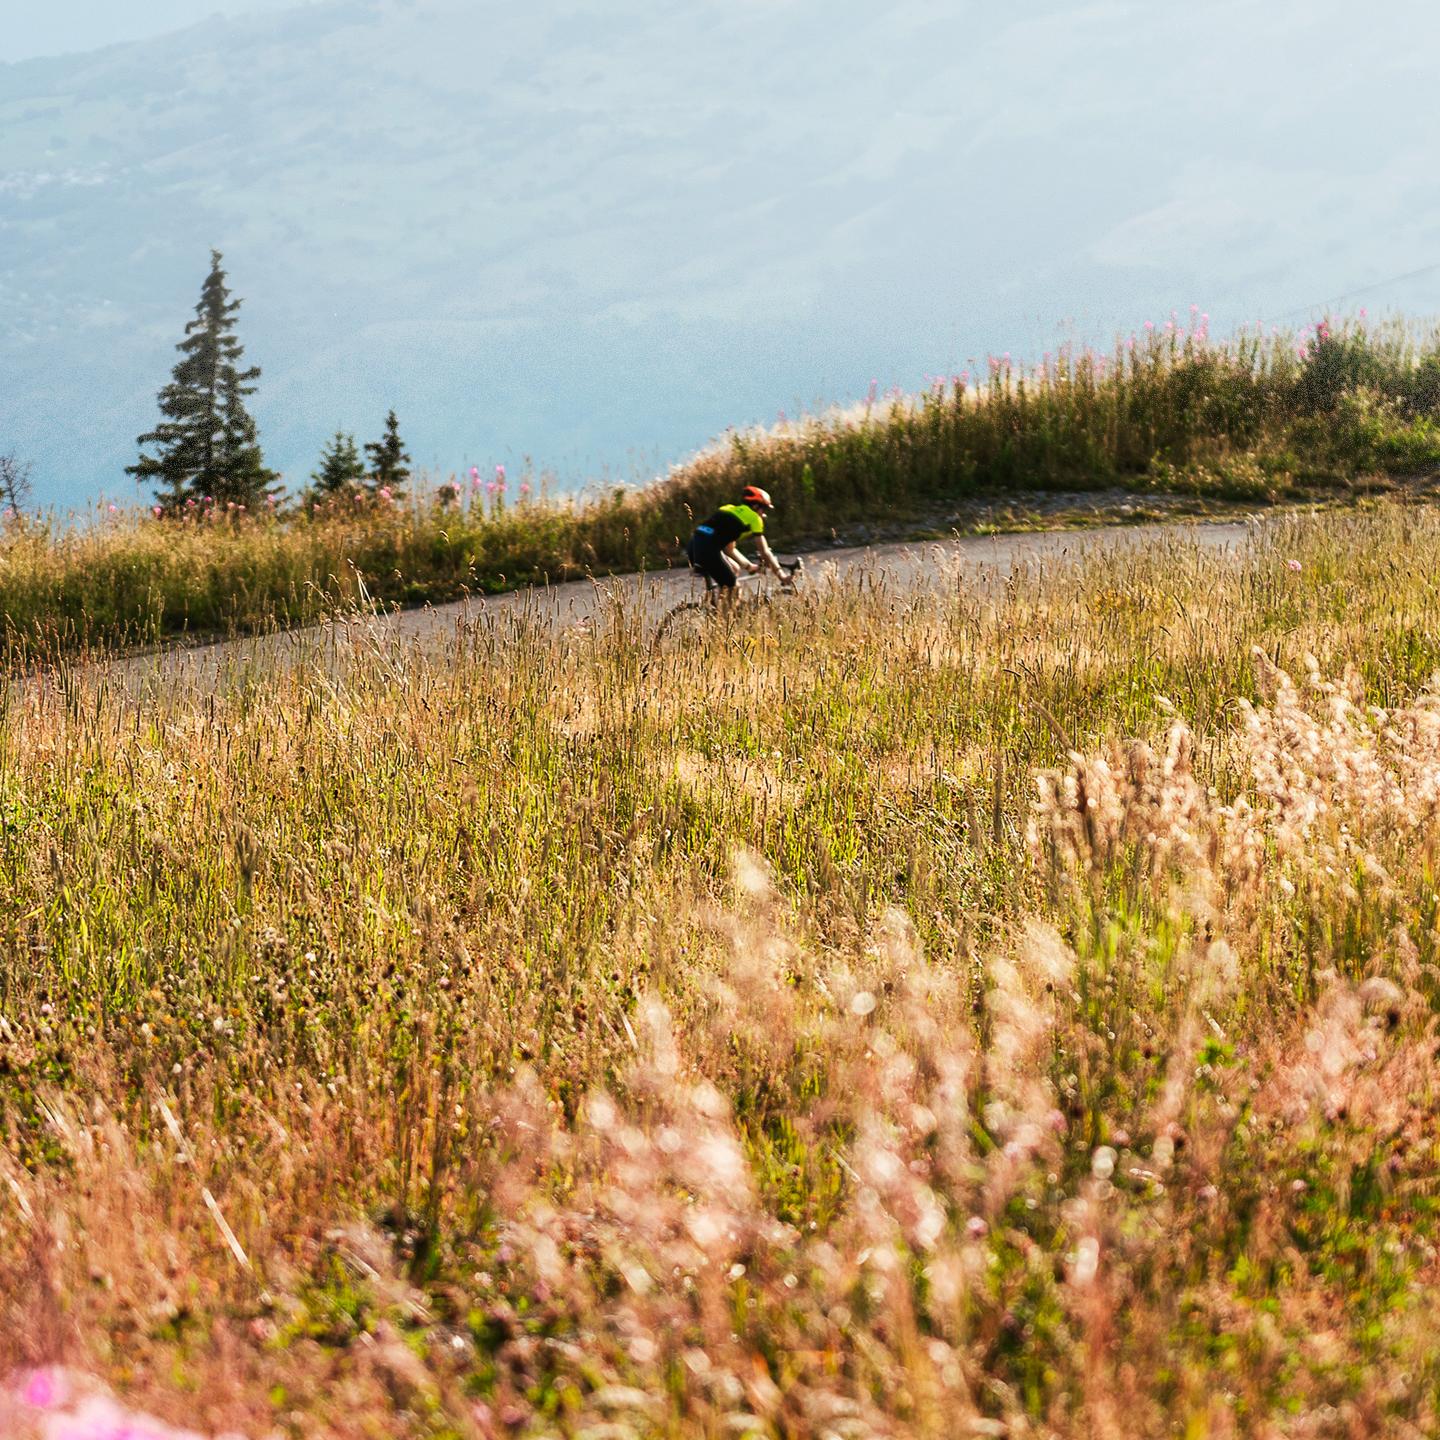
(1293, 565)
(386, 492)
(499, 477)
(42, 1391)
(156, 511)
(114, 509)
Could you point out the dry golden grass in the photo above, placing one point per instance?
(556, 1036)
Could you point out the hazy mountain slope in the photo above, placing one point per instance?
(591, 231)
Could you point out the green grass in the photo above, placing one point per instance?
(577, 1035)
(1253, 420)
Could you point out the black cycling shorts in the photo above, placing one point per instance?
(709, 560)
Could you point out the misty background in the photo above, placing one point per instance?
(598, 232)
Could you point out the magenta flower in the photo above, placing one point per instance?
(157, 511)
(499, 477)
(42, 1390)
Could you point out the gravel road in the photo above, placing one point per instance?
(583, 602)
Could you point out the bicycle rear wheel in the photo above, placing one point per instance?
(684, 625)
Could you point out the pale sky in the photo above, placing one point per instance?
(609, 229)
(60, 27)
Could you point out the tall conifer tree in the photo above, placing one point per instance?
(206, 441)
(341, 470)
(389, 464)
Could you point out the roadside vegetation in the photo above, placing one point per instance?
(1340, 411)
(990, 1010)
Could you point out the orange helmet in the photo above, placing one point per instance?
(754, 495)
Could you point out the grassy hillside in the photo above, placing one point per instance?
(1254, 420)
(556, 1038)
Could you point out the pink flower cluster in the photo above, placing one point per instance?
(494, 489)
(55, 1404)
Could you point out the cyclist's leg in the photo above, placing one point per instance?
(719, 576)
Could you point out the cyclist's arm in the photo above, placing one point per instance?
(737, 560)
(767, 558)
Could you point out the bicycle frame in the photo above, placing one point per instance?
(787, 581)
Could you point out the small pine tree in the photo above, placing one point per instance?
(207, 441)
(341, 470)
(389, 464)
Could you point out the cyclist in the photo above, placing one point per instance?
(712, 550)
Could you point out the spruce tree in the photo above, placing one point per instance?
(207, 442)
(389, 464)
(341, 470)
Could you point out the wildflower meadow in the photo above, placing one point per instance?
(978, 1008)
(1346, 409)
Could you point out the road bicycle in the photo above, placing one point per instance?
(690, 619)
